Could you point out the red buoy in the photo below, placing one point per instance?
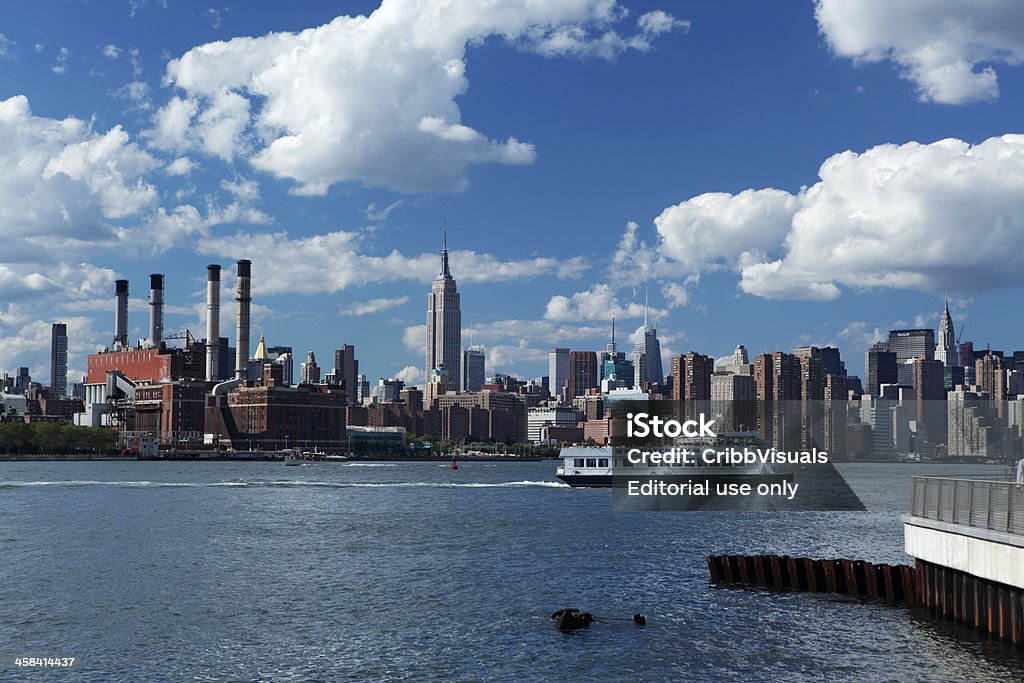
(455, 464)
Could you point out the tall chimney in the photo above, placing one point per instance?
(243, 298)
(156, 309)
(121, 314)
(212, 321)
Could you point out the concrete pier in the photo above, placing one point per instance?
(967, 537)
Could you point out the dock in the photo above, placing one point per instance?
(967, 538)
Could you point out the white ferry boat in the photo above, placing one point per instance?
(597, 467)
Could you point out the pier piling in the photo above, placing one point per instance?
(892, 583)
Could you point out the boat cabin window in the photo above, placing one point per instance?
(602, 462)
(591, 462)
(577, 462)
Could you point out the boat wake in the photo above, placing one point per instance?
(286, 483)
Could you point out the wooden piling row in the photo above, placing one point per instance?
(992, 608)
(892, 583)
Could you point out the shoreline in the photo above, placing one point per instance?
(268, 458)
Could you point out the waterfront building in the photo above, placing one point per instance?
(495, 415)
(444, 323)
(172, 412)
(554, 416)
(59, 358)
(272, 417)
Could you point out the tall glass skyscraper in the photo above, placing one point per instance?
(911, 344)
(647, 356)
(473, 368)
(59, 358)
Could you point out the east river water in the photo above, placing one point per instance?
(176, 571)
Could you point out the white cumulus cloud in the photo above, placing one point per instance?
(946, 47)
(61, 181)
(597, 303)
(378, 93)
(914, 216)
(718, 229)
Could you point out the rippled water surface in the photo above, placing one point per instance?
(331, 571)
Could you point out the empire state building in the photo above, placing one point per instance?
(444, 323)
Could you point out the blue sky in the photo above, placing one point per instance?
(752, 165)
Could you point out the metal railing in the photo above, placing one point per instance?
(995, 505)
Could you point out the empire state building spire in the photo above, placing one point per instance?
(445, 273)
(444, 327)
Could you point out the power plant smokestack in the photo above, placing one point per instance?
(212, 321)
(243, 298)
(121, 314)
(156, 309)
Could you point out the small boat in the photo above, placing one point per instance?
(454, 465)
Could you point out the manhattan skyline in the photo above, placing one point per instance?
(727, 159)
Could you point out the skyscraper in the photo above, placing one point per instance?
(310, 371)
(828, 355)
(444, 322)
(346, 371)
(473, 370)
(582, 373)
(558, 370)
(930, 392)
(59, 358)
(647, 367)
(946, 350)
(911, 344)
(614, 370)
(691, 377)
(880, 366)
